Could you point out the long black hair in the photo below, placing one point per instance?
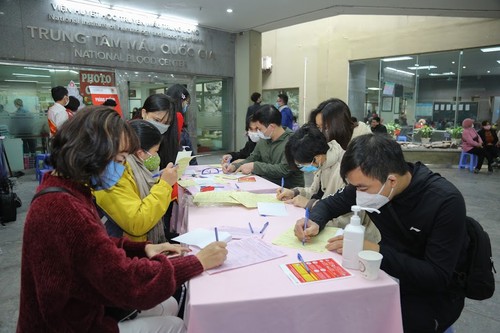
(169, 145)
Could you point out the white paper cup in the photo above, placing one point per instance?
(369, 264)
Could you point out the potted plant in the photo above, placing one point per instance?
(456, 134)
(425, 133)
(393, 129)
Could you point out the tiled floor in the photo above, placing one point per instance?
(481, 192)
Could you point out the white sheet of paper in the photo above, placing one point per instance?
(246, 252)
(202, 237)
(182, 154)
(272, 209)
(240, 233)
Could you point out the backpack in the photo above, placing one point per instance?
(477, 277)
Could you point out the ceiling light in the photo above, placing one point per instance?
(397, 59)
(27, 81)
(488, 72)
(229, 10)
(30, 75)
(442, 74)
(491, 49)
(374, 88)
(498, 61)
(399, 71)
(416, 68)
(464, 67)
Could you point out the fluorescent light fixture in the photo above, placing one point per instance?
(442, 74)
(491, 49)
(374, 88)
(397, 58)
(498, 61)
(416, 68)
(29, 75)
(26, 81)
(229, 10)
(399, 71)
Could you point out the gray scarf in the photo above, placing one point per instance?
(144, 181)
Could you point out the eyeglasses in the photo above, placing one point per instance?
(210, 171)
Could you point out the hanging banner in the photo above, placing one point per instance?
(99, 95)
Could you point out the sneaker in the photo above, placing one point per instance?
(476, 170)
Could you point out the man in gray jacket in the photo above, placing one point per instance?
(268, 159)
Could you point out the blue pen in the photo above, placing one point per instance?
(158, 174)
(303, 263)
(250, 225)
(237, 186)
(264, 227)
(305, 225)
(282, 183)
(216, 234)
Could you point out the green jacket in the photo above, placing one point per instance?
(270, 162)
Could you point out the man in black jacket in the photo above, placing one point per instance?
(421, 220)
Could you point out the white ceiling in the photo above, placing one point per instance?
(265, 15)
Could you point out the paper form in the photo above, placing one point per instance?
(240, 233)
(182, 164)
(186, 182)
(250, 200)
(246, 252)
(272, 209)
(183, 154)
(202, 237)
(315, 244)
(321, 270)
(214, 197)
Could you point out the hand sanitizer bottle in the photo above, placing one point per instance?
(354, 235)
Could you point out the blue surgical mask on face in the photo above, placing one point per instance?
(111, 175)
(309, 168)
(185, 108)
(277, 105)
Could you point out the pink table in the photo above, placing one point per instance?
(261, 298)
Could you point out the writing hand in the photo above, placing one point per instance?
(212, 255)
(284, 194)
(311, 230)
(169, 174)
(228, 168)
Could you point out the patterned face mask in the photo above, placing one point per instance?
(152, 163)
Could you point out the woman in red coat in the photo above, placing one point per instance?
(71, 271)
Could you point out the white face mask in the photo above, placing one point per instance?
(263, 136)
(253, 136)
(161, 127)
(371, 200)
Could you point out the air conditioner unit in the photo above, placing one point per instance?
(266, 63)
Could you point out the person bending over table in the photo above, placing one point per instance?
(136, 204)
(253, 138)
(71, 270)
(268, 158)
(421, 220)
(307, 150)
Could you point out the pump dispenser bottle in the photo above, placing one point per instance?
(354, 235)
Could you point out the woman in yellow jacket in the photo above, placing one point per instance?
(135, 205)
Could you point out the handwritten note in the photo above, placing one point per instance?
(214, 197)
(316, 244)
(246, 252)
(250, 200)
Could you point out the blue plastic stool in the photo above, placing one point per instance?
(41, 173)
(402, 138)
(40, 164)
(467, 160)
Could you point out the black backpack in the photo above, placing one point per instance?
(477, 277)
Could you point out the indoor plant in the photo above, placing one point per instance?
(425, 133)
(393, 129)
(455, 133)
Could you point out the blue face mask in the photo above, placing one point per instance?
(277, 105)
(111, 175)
(308, 168)
(185, 108)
